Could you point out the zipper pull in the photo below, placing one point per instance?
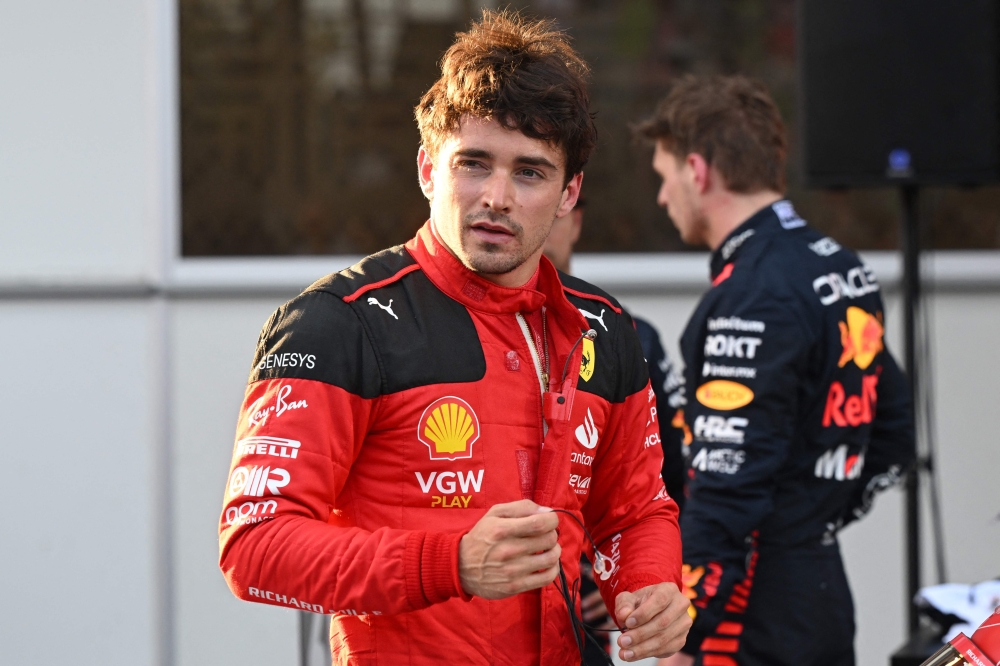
(545, 380)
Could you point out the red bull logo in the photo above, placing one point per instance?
(861, 336)
(851, 410)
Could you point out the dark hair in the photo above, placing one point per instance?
(732, 122)
(520, 72)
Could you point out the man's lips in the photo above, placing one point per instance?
(492, 233)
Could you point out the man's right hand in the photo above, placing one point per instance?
(512, 549)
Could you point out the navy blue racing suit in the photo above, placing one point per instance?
(796, 415)
(665, 380)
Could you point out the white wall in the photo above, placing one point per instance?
(73, 156)
(212, 343)
(118, 411)
(76, 560)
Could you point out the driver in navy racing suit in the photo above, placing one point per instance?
(795, 414)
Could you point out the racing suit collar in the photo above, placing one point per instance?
(763, 220)
(449, 275)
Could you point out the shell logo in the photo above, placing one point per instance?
(724, 395)
(448, 427)
(861, 336)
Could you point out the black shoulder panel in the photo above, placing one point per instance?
(372, 269)
(619, 367)
(399, 333)
(585, 288)
(317, 336)
(420, 335)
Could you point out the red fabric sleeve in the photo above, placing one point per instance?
(281, 539)
(629, 514)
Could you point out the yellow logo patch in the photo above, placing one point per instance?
(588, 360)
(724, 395)
(861, 336)
(448, 428)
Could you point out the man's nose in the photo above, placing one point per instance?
(661, 196)
(499, 194)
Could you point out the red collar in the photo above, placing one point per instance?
(449, 275)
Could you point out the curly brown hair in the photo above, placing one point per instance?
(732, 122)
(522, 73)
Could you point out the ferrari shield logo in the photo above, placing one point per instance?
(588, 360)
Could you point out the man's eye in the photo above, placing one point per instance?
(469, 164)
(531, 173)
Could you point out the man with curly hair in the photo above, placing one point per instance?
(429, 436)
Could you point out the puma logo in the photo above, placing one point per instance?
(388, 308)
(589, 315)
(587, 433)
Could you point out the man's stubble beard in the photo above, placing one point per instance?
(492, 258)
(699, 228)
(696, 231)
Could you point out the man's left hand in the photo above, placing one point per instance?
(654, 619)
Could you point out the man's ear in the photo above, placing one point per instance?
(700, 172)
(425, 173)
(570, 194)
(576, 219)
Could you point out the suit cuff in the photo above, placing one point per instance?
(431, 568)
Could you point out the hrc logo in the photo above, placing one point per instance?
(448, 428)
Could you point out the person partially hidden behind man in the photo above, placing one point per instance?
(426, 433)
(798, 413)
(668, 389)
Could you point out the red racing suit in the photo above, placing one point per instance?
(390, 405)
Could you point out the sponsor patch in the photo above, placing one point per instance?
(249, 513)
(731, 346)
(587, 433)
(388, 308)
(598, 318)
(720, 429)
(287, 360)
(836, 465)
(735, 324)
(447, 485)
(448, 428)
(832, 287)
(787, 216)
(579, 483)
(278, 447)
(258, 412)
(861, 337)
(256, 481)
(734, 243)
(724, 395)
(845, 410)
(825, 247)
(722, 461)
(289, 601)
(712, 370)
(588, 360)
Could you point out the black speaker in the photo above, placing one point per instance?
(899, 91)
